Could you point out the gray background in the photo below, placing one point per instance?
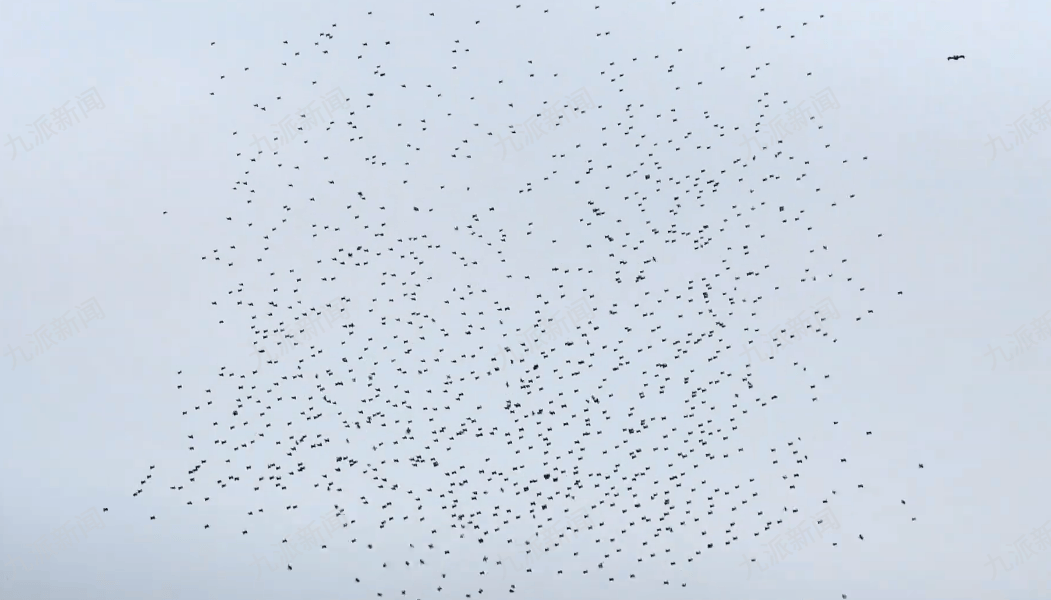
(81, 217)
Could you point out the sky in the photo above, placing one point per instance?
(127, 228)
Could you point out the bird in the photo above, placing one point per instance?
(956, 57)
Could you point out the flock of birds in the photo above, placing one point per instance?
(459, 433)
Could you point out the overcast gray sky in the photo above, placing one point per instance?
(86, 245)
